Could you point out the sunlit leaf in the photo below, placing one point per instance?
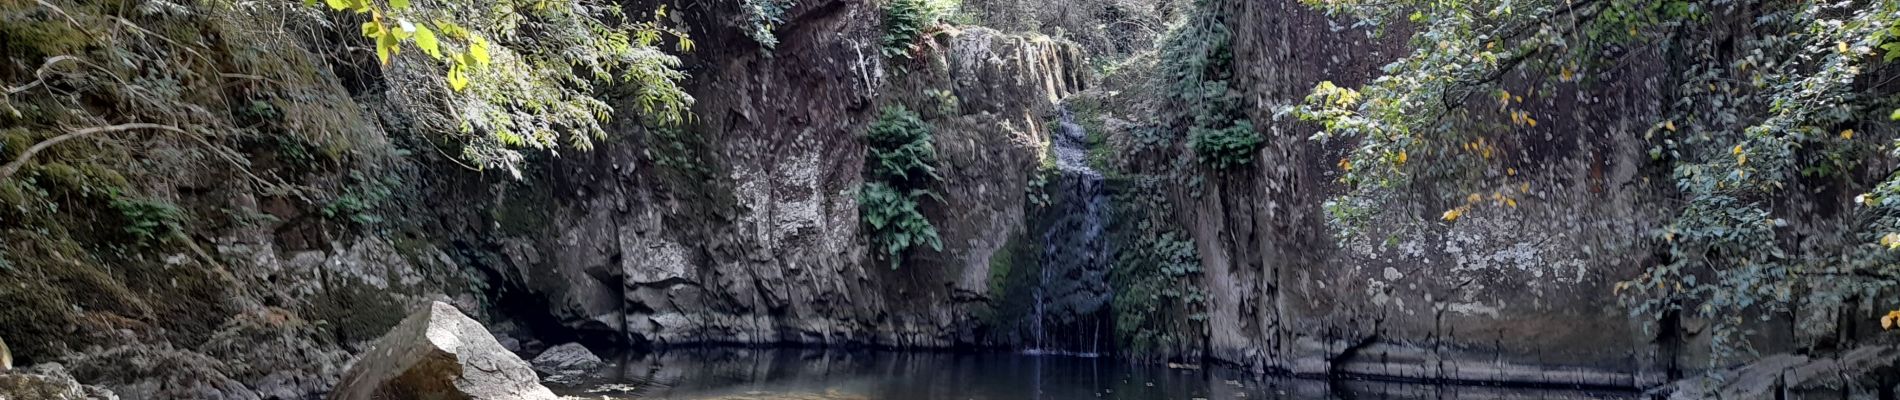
(425, 40)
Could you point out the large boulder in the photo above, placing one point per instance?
(439, 353)
(47, 382)
(567, 359)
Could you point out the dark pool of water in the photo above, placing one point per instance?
(735, 374)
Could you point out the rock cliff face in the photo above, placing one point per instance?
(1507, 294)
(753, 236)
(743, 227)
(312, 233)
(1522, 291)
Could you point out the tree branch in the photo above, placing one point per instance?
(6, 171)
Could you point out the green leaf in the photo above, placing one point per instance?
(386, 47)
(372, 29)
(339, 5)
(1896, 115)
(425, 40)
(399, 4)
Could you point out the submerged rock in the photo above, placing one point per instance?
(567, 359)
(47, 382)
(1859, 373)
(439, 353)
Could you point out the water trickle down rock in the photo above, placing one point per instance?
(1070, 314)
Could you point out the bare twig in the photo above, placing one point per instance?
(39, 75)
(69, 18)
(6, 171)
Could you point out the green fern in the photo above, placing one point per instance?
(899, 166)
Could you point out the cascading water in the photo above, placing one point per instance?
(1070, 313)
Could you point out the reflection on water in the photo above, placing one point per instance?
(734, 374)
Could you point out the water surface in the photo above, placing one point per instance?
(735, 374)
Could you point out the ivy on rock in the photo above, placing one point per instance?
(900, 166)
(1763, 98)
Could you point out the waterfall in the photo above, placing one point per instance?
(1072, 292)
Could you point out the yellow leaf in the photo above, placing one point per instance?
(1453, 214)
(1510, 202)
(1842, 46)
(457, 78)
(1474, 198)
(1566, 75)
(1401, 157)
(478, 48)
(1847, 134)
(1737, 150)
(1670, 125)
(1532, 121)
(1886, 322)
(1510, 171)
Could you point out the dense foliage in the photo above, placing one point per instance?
(907, 22)
(1159, 305)
(1199, 69)
(523, 74)
(899, 167)
(763, 18)
(1765, 100)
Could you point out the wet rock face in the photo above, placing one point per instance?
(47, 382)
(439, 353)
(1068, 293)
